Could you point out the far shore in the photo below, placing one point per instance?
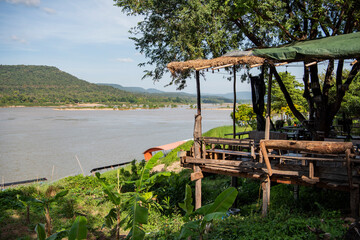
(102, 107)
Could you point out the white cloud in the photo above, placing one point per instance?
(17, 39)
(126, 60)
(48, 10)
(25, 2)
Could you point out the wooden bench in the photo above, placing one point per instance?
(228, 148)
(309, 153)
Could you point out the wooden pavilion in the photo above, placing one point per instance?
(268, 156)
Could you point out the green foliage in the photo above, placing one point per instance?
(244, 116)
(205, 214)
(78, 231)
(295, 89)
(187, 205)
(351, 103)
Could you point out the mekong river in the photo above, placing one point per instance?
(36, 141)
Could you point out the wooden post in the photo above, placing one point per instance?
(234, 107)
(234, 180)
(266, 195)
(268, 108)
(197, 144)
(354, 202)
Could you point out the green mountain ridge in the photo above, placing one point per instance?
(242, 95)
(33, 85)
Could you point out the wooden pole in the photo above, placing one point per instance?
(268, 108)
(234, 107)
(197, 144)
(234, 180)
(266, 184)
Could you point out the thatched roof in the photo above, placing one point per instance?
(179, 67)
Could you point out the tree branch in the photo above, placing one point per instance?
(253, 38)
(328, 76)
(287, 33)
(287, 96)
(307, 94)
(343, 88)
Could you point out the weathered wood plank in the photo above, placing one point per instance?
(308, 146)
(266, 158)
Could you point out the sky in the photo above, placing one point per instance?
(90, 40)
(86, 38)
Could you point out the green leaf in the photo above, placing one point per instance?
(224, 201)
(61, 194)
(40, 231)
(141, 214)
(187, 204)
(111, 217)
(189, 229)
(78, 229)
(215, 215)
(59, 235)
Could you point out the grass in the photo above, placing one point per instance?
(222, 131)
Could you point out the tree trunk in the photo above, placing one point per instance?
(47, 221)
(257, 96)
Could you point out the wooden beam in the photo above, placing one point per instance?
(256, 65)
(223, 66)
(280, 64)
(309, 146)
(200, 68)
(310, 64)
(266, 158)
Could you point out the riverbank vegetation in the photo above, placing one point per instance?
(316, 214)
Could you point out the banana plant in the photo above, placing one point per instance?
(142, 199)
(46, 202)
(115, 197)
(196, 220)
(136, 203)
(77, 231)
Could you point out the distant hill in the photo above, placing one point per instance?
(45, 85)
(242, 96)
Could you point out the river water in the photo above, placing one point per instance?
(36, 141)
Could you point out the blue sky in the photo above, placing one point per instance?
(86, 38)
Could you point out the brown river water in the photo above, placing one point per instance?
(43, 142)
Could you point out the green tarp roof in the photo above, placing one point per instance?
(342, 46)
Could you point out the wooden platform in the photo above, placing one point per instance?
(331, 165)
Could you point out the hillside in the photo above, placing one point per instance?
(45, 85)
(206, 97)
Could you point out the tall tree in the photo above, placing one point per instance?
(190, 29)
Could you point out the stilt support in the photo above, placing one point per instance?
(354, 202)
(266, 195)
